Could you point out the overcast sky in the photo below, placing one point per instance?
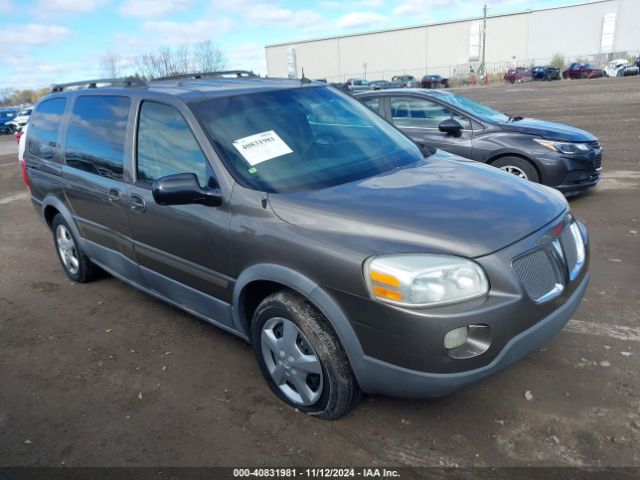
(48, 41)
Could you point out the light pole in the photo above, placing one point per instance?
(484, 40)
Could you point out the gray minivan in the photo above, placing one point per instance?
(286, 212)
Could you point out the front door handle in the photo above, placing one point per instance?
(115, 196)
(138, 204)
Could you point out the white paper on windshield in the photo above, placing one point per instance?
(261, 147)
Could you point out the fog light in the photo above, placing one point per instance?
(456, 338)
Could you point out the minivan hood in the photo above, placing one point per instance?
(549, 130)
(444, 204)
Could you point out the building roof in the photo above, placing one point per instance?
(410, 27)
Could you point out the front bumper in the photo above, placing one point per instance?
(387, 379)
(570, 174)
(402, 349)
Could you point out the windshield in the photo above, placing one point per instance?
(302, 139)
(481, 111)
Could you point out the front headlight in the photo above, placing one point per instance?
(569, 148)
(424, 280)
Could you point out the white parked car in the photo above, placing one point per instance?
(22, 142)
(620, 68)
(22, 118)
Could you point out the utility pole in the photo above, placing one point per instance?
(484, 40)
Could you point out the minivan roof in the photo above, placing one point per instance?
(198, 89)
(221, 87)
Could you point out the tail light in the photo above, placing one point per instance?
(18, 135)
(25, 174)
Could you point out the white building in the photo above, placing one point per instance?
(593, 31)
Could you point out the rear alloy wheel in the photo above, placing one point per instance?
(519, 167)
(302, 358)
(75, 263)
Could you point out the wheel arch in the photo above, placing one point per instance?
(259, 281)
(51, 206)
(500, 155)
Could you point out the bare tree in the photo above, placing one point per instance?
(5, 95)
(208, 58)
(111, 64)
(201, 57)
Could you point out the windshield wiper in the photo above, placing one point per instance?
(514, 119)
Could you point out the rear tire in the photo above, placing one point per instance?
(519, 167)
(301, 357)
(74, 262)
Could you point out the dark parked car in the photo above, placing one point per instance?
(434, 81)
(380, 84)
(405, 81)
(6, 120)
(554, 154)
(518, 75)
(545, 73)
(581, 71)
(289, 214)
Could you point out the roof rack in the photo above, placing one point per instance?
(124, 82)
(221, 74)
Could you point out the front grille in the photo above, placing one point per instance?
(569, 248)
(558, 260)
(597, 162)
(537, 273)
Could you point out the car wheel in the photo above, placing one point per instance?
(75, 263)
(301, 357)
(519, 167)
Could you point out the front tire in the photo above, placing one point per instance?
(519, 167)
(74, 262)
(301, 357)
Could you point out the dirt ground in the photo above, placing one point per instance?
(101, 374)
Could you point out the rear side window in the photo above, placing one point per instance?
(44, 127)
(166, 145)
(95, 140)
(420, 113)
(372, 103)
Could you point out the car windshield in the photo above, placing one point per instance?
(302, 139)
(481, 111)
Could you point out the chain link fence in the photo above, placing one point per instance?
(468, 74)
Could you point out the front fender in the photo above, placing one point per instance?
(317, 295)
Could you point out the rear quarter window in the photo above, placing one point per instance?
(44, 127)
(96, 136)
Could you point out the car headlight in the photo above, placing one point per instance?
(564, 147)
(424, 280)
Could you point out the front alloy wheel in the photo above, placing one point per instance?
(519, 167)
(513, 170)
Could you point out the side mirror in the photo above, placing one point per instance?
(451, 127)
(184, 189)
